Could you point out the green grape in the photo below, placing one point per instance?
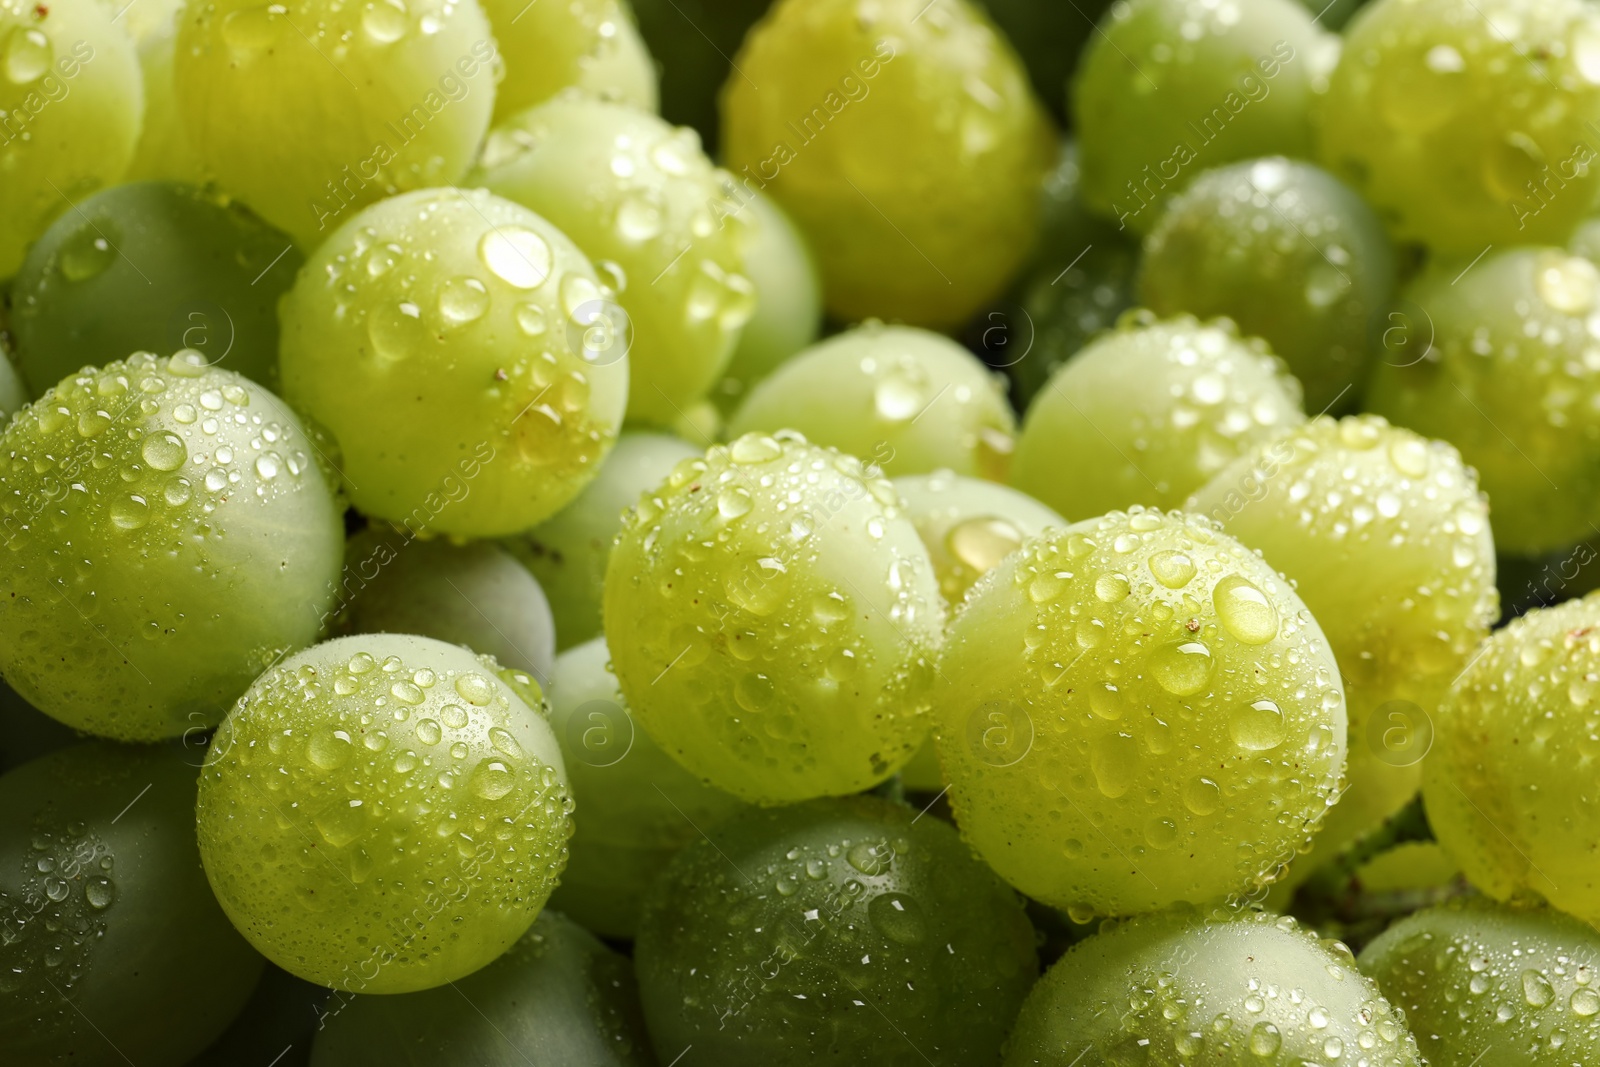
(568, 552)
(1585, 240)
(904, 141)
(1249, 990)
(1050, 37)
(26, 732)
(1507, 784)
(661, 223)
(164, 151)
(140, 502)
(1147, 414)
(1386, 539)
(283, 1013)
(438, 337)
(71, 98)
(1169, 88)
(773, 620)
(474, 594)
(693, 42)
(384, 813)
(13, 391)
(1136, 711)
(114, 950)
(557, 998)
(1502, 369)
(310, 110)
(1408, 867)
(909, 400)
(152, 267)
(590, 45)
(1333, 14)
(1468, 122)
(848, 930)
(639, 807)
(1289, 254)
(1484, 984)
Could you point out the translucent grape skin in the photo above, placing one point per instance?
(430, 337)
(1150, 412)
(204, 274)
(70, 106)
(1136, 711)
(384, 813)
(773, 620)
(1493, 359)
(115, 950)
(558, 997)
(1184, 988)
(904, 141)
(140, 502)
(1239, 242)
(591, 46)
(848, 930)
(1481, 982)
(164, 152)
(907, 400)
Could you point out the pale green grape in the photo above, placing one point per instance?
(1289, 254)
(384, 813)
(310, 110)
(1137, 711)
(71, 99)
(1469, 122)
(773, 620)
(590, 45)
(1147, 414)
(904, 141)
(661, 223)
(163, 151)
(1252, 990)
(433, 337)
(145, 504)
(1495, 357)
(1169, 88)
(115, 951)
(1485, 984)
(907, 400)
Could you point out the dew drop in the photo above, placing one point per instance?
(1182, 668)
(516, 255)
(1244, 610)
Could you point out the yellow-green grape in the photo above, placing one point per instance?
(1169, 88)
(1585, 240)
(589, 45)
(310, 110)
(638, 806)
(1149, 413)
(1251, 990)
(692, 42)
(568, 553)
(13, 391)
(661, 223)
(773, 620)
(433, 337)
(1408, 867)
(1135, 711)
(1499, 360)
(1468, 123)
(1507, 785)
(163, 151)
(384, 813)
(170, 533)
(1386, 537)
(1483, 984)
(905, 142)
(907, 400)
(71, 100)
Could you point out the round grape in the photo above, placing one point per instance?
(692, 42)
(13, 391)
(284, 1012)
(164, 152)
(26, 732)
(590, 45)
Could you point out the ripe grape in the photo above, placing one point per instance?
(1050, 38)
(773, 619)
(1135, 711)
(590, 45)
(662, 226)
(908, 400)
(163, 152)
(384, 813)
(284, 1012)
(1147, 414)
(114, 949)
(13, 392)
(692, 41)
(152, 267)
(847, 929)
(1289, 254)
(140, 502)
(905, 142)
(437, 336)
(1585, 240)
(26, 732)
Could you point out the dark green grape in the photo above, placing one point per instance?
(694, 42)
(1333, 14)
(152, 266)
(13, 392)
(26, 732)
(113, 949)
(557, 998)
(279, 1019)
(848, 930)
(1050, 36)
